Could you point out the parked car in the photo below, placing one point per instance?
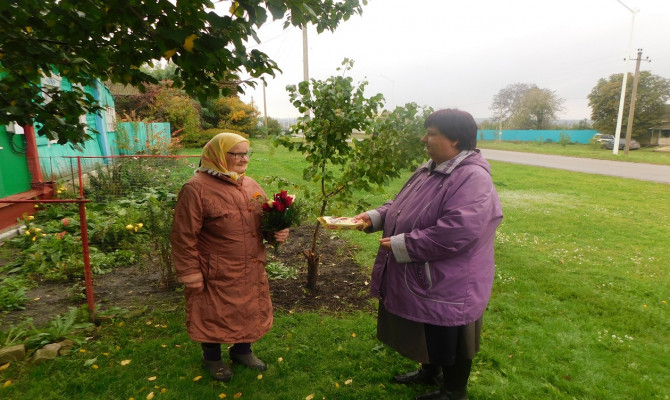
(602, 137)
(609, 144)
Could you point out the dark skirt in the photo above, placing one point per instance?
(426, 343)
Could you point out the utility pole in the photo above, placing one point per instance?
(633, 98)
(265, 108)
(305, 61)
(617, 133)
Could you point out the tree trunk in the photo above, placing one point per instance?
(312, 270)
(312, 261)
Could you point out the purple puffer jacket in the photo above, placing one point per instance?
(442, 226)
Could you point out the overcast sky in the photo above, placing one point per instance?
(444, 53)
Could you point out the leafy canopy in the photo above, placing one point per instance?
(526, 106)
(110, 40)
(652, 93)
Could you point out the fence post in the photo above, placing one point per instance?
(84, 247)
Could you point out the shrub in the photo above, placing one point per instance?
(201, 138)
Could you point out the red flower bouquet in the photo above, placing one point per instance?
(279, 213)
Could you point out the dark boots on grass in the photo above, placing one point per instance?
(453, 380)
(240, 353)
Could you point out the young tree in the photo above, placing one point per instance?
(338, 167)
(110, 40)
(652, 93)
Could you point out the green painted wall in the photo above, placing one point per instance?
(14, 175)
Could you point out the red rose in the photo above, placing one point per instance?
(266, 207)
(288, 201)
(280, 207)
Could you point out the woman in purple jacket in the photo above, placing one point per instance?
(434, 270)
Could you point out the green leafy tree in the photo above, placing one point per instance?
(507, 100)
(525, 106)
(652, 93)
(110, 40)
(177, 108)
(338, 165)
(536, 109)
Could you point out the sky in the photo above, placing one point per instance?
(459, 54)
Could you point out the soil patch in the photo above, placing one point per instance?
(342, 285)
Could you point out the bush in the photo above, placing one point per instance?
(200, 139)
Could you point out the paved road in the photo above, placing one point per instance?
(645, 172)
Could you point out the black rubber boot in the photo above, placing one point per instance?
(426, 375)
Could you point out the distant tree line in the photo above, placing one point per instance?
(527, 106)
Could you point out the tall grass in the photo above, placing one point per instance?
(579, 311)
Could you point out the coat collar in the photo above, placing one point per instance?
(448, 166)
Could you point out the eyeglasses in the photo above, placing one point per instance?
(239, 156)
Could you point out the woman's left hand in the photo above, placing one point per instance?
(281, 236)
(385, 243)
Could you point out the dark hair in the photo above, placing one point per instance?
(456, 125)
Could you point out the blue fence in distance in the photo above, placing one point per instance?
(510, 135)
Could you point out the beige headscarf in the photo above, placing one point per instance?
(213, 159)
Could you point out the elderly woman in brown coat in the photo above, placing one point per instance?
(219, 255)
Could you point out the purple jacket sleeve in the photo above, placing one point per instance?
(466, 213)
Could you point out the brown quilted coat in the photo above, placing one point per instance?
(216, 238)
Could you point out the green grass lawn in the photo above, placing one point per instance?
(579, 311)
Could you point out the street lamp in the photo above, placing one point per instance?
(617, 134)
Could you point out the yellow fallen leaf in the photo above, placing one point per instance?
(280, 359)
(197, 378)
(337, 385)
(7, 383)
(163, 390)
(309, 397)
(237, 395)
(125, 362)
(260, 376)
(4, 366)
(82, 350)
(149, 322)
(121, 324)
(381, 385)
(156, 387)
(177, 345)
(222, 396)
(164, 345)
(348, 381)
(152, 378)
(163, 326)
(94, 366)
(36, 298)
(105, 354)
(118, 347)
(150, 396)
(353, 335)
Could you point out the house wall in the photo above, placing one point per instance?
(14, 174)
(509, 135)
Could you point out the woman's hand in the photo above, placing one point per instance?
(197, 286)
(365, 218)
(281, 236)
(385, 243)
